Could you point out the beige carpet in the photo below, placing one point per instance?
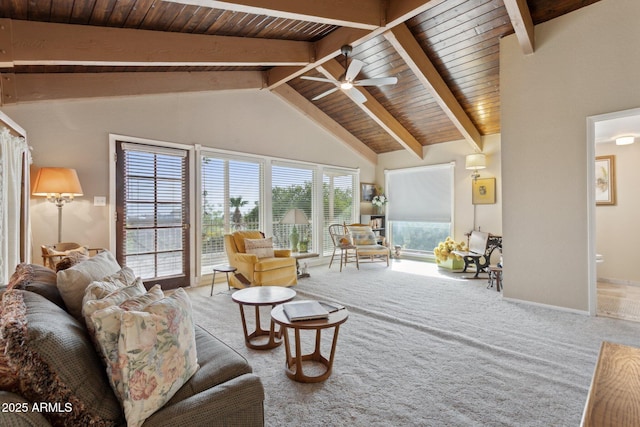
(424, 349)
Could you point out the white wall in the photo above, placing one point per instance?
(617, 226)
(488, 217)
(76, 134)
(586, 63)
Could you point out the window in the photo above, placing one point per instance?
(231, 196)
(152, 206)
(420, 215)
(338, 202)
(291, 187)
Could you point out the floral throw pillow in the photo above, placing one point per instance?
(262, 248)
(362, 235)
(157, 355)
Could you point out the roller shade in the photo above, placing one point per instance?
(423, 194)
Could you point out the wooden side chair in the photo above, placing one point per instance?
(343, 243)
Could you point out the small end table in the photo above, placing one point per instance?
(303, 255)
(294, 363)
(260, 296)
(222, 269)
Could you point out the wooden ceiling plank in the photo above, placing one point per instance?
(40, 43)
(363, 14)
(39, 87)
(407, 46)
(520, 16)
(6, 48)
(300, 103)
(333, 69)
(8, 89)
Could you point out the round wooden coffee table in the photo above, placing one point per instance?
(294, 362)
(261, 296)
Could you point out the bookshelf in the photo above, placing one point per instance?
(377, 223)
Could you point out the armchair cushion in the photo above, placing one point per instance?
(240, 236)
(362, 235)
(266, 264)
(262, 248)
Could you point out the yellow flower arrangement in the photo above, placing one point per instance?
(444, 249)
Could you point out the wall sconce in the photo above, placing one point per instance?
(59, 186)
(474, 162)
(625, 140)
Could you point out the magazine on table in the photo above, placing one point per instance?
(305, 310)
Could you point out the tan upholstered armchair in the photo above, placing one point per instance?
(260, 264)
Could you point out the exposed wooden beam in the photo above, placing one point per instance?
(40, 43)
(375, 110)
(17, 88)
(325, 49)
(300, 103)
(364, 14)
(410, 50)
(397, 11)
(522, 23)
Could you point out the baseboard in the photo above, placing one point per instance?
(553, 307)
(618, 281)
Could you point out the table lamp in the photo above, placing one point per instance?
(294, 216)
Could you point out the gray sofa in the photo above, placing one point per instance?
(223, 391)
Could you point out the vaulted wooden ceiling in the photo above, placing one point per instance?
(445, 54)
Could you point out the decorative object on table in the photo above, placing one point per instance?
(397, 251)
(444, 254)
(59, 186)
(367, 191)
(295, 217)
(379, 201)
(605, 180)
(484, 191)
(475, 162)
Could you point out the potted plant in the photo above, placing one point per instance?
(444, 256)
(378, 202)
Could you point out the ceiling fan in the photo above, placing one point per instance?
(348, 81)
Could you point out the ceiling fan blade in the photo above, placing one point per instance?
(377, 81)
(354, 69)
(320, 79)
(323, 94)
(357, 96)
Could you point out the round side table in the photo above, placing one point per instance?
(261, 296)
(222, 269)
(294, 362)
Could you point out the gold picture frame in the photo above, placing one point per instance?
(605, 180)
(483, 191)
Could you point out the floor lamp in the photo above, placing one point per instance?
(59, 186)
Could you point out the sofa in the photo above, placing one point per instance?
(53, 373)
(257, 262)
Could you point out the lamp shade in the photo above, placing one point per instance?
(62, 181)
(294, 216)
(475, 161)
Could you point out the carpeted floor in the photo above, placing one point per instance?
(426, 349)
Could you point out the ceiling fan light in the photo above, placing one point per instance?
(625, 140)
(346, 85)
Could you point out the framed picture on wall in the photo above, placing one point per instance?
(367, 191)
(484, 191)
(605, 180)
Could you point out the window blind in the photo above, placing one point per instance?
(291, 187)
(423, 194)
(337, 198)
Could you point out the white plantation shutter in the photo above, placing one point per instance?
(338, 187)
(291, 187)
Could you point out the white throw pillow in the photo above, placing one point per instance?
(73, 281)
(262, 248)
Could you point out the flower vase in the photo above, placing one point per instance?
(378, 210)
(451, 264)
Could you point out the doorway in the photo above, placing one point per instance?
(614, 284)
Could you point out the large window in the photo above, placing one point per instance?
(231, 200)
(153, 213)
(292, 188)
(338, 202)
(420, 215)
